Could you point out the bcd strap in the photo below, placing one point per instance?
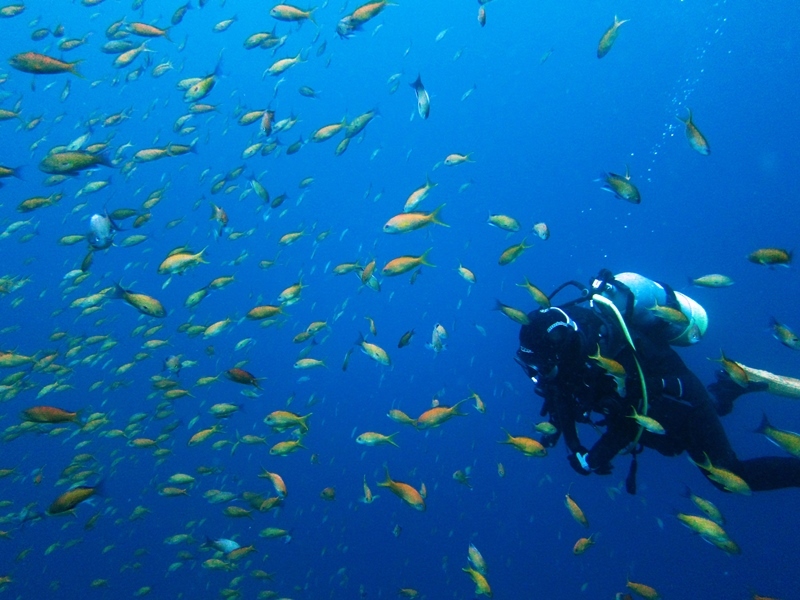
(630, 480)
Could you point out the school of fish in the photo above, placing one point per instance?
(209, 372)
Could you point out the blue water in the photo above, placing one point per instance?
(540, 134)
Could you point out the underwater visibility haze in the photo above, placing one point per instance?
(264, 267)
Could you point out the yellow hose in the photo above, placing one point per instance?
(644, 405)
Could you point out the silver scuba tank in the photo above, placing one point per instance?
(646, 294)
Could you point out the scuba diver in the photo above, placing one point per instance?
(615, 359)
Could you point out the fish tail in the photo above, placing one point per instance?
(764, 426)
(303, 421)
(73, 68)
(423, 258)
(706, 464)
(455, 408)
(119, 292)
(388, 481)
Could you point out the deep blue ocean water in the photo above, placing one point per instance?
(540, 134)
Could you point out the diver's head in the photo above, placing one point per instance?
(550, 339)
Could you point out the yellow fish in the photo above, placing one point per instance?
(512, 253)
(482, 587)
(696, 139)
(475, 557)
(609, 37)
(708, 507)
(583, 544)
(538, 295)
(371, 438)
(784, 335)
(399, 416)
(645, 591)
(512, 313)
(284, 448)
(621, 186)
(733, 369)
(503, 222)
(374, 351)
(576, 511)
(728, 480)
(714, 280)
(770, 256)
(70, 499)
(704, 527)
(418, 195)
(785, 440)
(648, 423)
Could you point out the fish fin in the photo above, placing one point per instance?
(73, 68)
(762, 428)
(424, 257)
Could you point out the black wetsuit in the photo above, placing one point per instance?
(677, 400)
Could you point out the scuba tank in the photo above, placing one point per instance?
(634, 296)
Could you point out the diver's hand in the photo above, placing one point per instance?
(604, 469)
(725, 391)
(578, 462)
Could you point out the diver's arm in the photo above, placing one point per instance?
(563, 417)
(620, 432)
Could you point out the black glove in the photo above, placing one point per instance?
(725, 390)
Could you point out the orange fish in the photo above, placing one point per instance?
(49, 414)
(41, 64)
(404, 491)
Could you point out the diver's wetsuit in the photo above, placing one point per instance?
(677, 400)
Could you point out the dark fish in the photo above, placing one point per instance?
(423, 99)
